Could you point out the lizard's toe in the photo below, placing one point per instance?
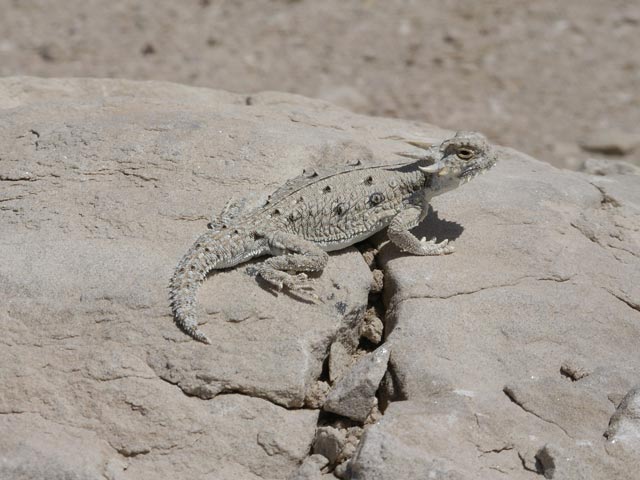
(432, 247)
(300, 286)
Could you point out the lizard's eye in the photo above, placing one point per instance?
(464, 153)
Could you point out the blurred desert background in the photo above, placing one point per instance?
(559, 80)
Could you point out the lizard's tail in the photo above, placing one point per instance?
(189, 274)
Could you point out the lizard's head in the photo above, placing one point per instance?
(458, 160)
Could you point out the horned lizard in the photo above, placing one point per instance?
(315, 214)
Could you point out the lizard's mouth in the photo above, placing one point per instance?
(470, 171)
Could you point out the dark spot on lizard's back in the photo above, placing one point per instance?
(326, 189)
(339, 209)
(368, 180)
(276, 212)
(341, 307)
(376, 198)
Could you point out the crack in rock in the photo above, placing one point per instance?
(510, 393)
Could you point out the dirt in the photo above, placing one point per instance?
(542, 77)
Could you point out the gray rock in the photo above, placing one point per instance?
(419, 440)
(104, 184)
(611, 142)
(330, 442)
(577, 411)
(372, 327)
(317, 394)
(546, 269)
(340, 359)
(623, 433)
(311, 468)
(343, 470)
(581, 461)
(601, 166)
(377, 285)
(354, 395)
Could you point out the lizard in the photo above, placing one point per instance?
(314, 214)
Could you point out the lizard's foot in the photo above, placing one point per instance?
(298, 285)
(432, 248)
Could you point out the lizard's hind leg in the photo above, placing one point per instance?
(294, 254)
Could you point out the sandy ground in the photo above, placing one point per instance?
(543, 77)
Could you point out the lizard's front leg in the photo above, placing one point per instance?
(400, 235)
(297, 255)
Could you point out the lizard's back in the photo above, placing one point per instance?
(338, 209)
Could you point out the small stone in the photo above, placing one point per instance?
(311, 468)
(316, 395)
(330, 442)
(611, 142)
(372, 327)
(354, 434)
(374, 416)
(574, 369)
(343, 471)
(369, 256)
(354, 395)
(377, 284)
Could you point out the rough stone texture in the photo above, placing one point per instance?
(317, 394)
(353, 396)
(546, 274)
(509, 357)
(372, 327)
(311, 468)
(104, 184)
(624, 427)
(612, 142)
(599, 166)
(329, 442)
(540, 75)
(340, 359)
(431, 438)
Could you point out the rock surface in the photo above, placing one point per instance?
(612, 143)
(623, 433)
(545, 275)
(353, 396)
(508, 358)
(599, 166)
(104, 185)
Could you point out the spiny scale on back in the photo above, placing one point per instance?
(320, 212)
